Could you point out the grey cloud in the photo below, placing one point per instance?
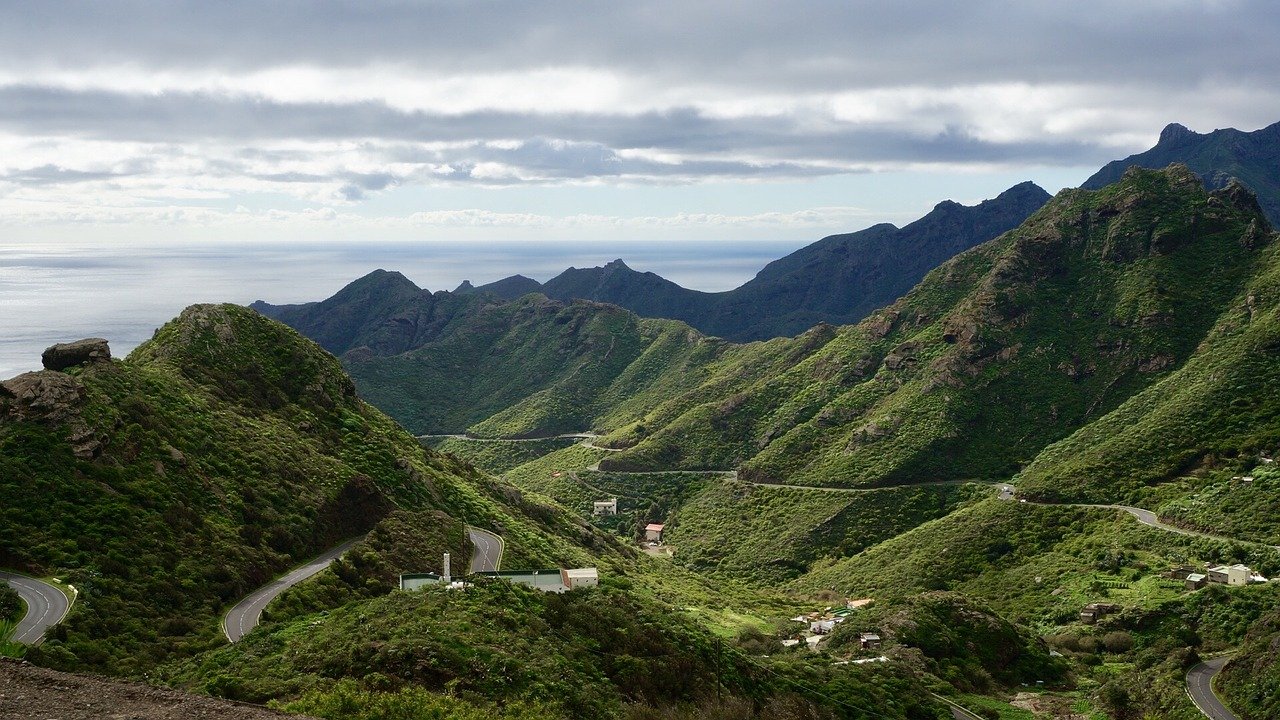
(565, 144)
(816, 43)
(50, 174)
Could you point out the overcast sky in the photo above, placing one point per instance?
(535, 120)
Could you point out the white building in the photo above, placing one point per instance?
(605, 507)
(580, 578)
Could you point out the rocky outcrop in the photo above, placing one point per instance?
(50, 398)
(65, 355)
(45, 396)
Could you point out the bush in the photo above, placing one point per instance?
(1117, 642)
(11, 605)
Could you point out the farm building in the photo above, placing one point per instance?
(653, 532)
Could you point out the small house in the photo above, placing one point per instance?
(1230, 574)
(653, 532)
(605, 507)
(1238, 575)
(1181, 572)
(869, 641)
(1093, 612)
(1195, 581)
(580, 578)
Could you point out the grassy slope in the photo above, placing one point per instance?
(231, 448)
(534, 367)
(582, 654)
(499, 457)
(1250, 684)
(994, 355)
(768, 535)
(1223, 403)
(1039, 565)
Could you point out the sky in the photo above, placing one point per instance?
(551, 121)
(701, 136)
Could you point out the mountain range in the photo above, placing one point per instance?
(839, 279)
(1112, 361)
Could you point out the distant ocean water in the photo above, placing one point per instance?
(63, 293)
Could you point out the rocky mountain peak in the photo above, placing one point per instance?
(1175, 133)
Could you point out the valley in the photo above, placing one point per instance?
(1004, 476)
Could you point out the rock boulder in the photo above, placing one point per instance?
(65, 355)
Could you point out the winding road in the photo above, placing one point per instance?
(245, 615)
(1200, 688)
(486, 556)
(486, 550)
(46, 607)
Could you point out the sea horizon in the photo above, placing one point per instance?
(60, 294)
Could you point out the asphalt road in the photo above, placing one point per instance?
(46, 606)
(245, 615)
(1200, 687)
(486, 550)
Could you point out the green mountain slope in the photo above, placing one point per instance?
(997, 353)
(535, 367)
(382, 311)
(1224, 402)
(1249, 681)
(227, 448)
(1251, 157)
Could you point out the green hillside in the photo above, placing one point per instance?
(1218, 156)
(535, 367)
(226, 449)
(997, 353)
(1220, 408)
(1248, 683)
(501, 650)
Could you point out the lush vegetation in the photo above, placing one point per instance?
(1248, 683)
(497, 457)
(961, 641)
(167, 486)
(1038, 565)
(11, 606)
(509, 650)
(1115, 300)
(770, 535)
(1223, 504)
(997, 353)
(402, 542)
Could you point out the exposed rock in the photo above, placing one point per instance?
(45, 396)
(1238, 195)
(1255, 236)
(65, 355)
(902, 355)
(52, 398)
